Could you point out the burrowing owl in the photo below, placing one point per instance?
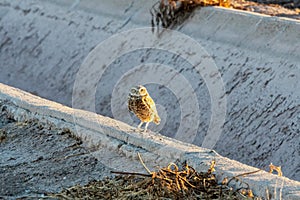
(143, 106)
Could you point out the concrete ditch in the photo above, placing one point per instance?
(258, 57)
(43, 45)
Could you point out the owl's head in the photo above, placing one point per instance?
(138, 91)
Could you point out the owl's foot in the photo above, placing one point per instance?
(146, 127)
(139, 129)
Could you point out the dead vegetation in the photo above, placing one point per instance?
(172, 13)
(275, 168)
(175, 181)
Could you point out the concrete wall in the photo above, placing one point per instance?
(43, 45)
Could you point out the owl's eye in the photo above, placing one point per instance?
(142, 90)
(133, 90)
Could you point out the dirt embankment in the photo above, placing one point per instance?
(37, 158)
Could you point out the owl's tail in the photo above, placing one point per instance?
(156, 119)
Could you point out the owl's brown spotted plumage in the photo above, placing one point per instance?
(143, 106)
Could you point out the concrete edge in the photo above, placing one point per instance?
(254, 31)
(100, 132)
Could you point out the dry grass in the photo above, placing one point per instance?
(170, 182)
(172, 13)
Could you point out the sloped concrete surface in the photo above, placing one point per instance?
(43, 45)
(116, 144)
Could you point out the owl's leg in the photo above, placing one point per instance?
(146, 126)
(140, 125)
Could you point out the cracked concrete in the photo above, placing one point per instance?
(42, 46)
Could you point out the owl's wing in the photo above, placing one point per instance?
(150, 103)
(153, 107)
